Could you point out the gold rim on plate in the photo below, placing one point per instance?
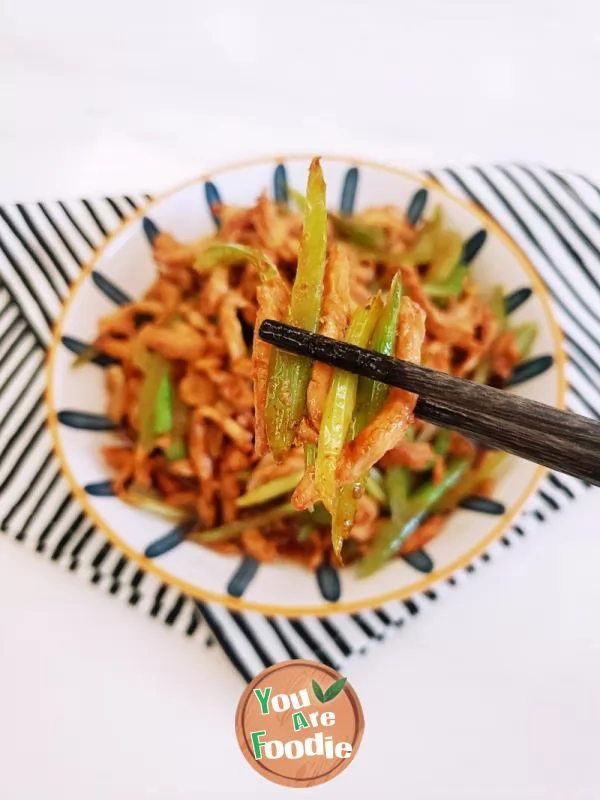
(239, 604)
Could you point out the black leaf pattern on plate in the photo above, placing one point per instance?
(82, 420)
(415, 209)
(473, 245)
(484, 505)
(419, 560)
(150, 229)
(516, 299)
(77, 347)
(280, 185)
(168, 542)
(329, 582)
(109, 289)
(529, 369)
(100, 489)
(242, 577)
(349, 189)
(213, 200)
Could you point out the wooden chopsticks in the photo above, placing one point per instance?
(495, 418)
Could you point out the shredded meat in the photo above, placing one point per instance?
(424, 534)
(415, 455)
(335, 315)
(208, 447)
(504, 354)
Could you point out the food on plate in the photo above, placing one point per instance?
(261, 452)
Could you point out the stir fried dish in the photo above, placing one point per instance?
(260, 452)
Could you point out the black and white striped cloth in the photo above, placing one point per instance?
(554, 217)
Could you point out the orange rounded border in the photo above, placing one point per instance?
(272, 775)
(240, 604)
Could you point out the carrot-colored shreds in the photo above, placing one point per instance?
(264, 453)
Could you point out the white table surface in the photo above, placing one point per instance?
(492, 694)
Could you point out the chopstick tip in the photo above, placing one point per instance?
(269, 330)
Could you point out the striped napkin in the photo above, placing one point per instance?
(554, 217)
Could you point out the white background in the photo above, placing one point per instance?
(492, 694)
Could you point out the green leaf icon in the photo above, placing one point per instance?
(318, 692)
(334, 689)
(331, 693)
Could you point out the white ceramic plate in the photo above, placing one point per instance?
(77, 398)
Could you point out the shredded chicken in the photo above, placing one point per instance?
(335, 314)
(211, 448)
(414, 455)
(424, 534)
(504, 354)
